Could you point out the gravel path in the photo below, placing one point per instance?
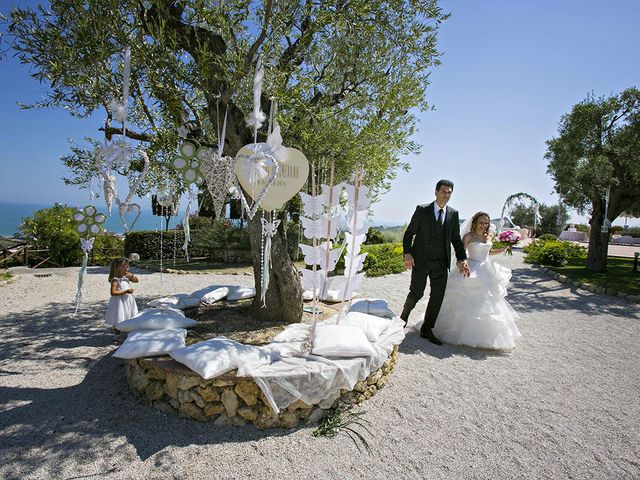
(563, 404)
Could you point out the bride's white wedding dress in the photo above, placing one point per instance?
(474, 310)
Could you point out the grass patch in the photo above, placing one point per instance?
(619, 275)
(5, 276)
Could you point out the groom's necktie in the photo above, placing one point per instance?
(440, 216)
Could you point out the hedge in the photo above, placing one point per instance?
(147, 244)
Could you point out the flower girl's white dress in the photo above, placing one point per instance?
(474, 310)
(121, 307)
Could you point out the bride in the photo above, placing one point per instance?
(474, 310)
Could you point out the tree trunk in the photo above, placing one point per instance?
(598, 241)
(284, 296)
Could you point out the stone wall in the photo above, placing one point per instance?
(230, 400)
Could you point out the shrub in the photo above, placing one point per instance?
(223, 234)
(548, 237)
(383, 259)
(53, 229)
(552, 253)
(106, 247)
(374, 237)
(147, 244)
(293, 239)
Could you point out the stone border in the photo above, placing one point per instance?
(587, 286)
(229, 400)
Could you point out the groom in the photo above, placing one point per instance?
(427, 253)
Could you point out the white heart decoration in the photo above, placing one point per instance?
(292, 175)
(123, 210)
(243, 175)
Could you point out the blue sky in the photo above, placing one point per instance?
(510, 69)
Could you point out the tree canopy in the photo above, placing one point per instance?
(598, 147)
(348, 76)
(349, 79)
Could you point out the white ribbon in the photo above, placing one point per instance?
(269, 229)
(257, 117)
(255, 167)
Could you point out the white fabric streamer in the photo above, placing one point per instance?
(257, 117)
(269, 229)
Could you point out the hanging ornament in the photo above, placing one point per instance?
(269, 229)
(292, 175)
(117, 154)
(256, 173)
(188, 163)
(257, 116)
(88, 222)
(219, 175)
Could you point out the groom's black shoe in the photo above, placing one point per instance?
(431, 337)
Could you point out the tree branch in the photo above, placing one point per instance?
(109, 132)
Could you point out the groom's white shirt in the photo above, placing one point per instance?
(436, 209)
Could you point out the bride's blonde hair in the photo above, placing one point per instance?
(476, 218)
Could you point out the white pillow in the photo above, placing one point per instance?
(151, 343)
(215, 295)
(156, 319)
(371, 325)
(180, 301)
(332, 296)
(238, 293)
(167, 302)
(214, 357)
(341, 341)
(372, 306)
(307, 295)
(188, 300)
(218, 291)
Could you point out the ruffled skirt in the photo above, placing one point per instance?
(474, 311)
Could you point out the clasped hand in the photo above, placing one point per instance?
(463, 266)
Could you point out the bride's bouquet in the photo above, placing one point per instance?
(508, 239)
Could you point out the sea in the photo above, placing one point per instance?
(12, 214)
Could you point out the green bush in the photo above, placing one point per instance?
(552, 253)
(147, 244)
(374, 237)
(53, 229)
(548, 237)
(223, 234)
(106, 247)
(383, 259)
(293, 239)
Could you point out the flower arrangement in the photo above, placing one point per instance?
(508, 238)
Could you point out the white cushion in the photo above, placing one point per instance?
(371, 325)
(214, 357)
(372, 306)
(238, 293)
(156, 319)
(188, 300)
(181, 301)
(212, 293)
(151, 343)
(167, 302)
(341, 341)
(332, 296)
(307, 295)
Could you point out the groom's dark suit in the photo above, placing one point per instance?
(429, 242)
